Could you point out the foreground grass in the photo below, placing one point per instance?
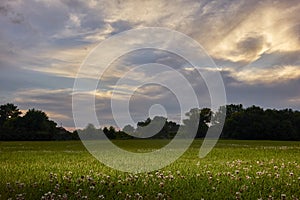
(233, 170)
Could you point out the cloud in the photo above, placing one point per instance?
(269, 22)
(294, 102)
(43, 43)
(63, 62)
(56, 103)
(272, 95)
(250, 47)
(277, 58)
(7, 11)
(267, 75)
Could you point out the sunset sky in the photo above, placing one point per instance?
(255, 44)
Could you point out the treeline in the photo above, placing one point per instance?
(255, 123)
(156, 128)
(252, 123)
(33, 125)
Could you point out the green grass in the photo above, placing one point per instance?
(232, 170)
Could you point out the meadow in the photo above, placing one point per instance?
(232, 170)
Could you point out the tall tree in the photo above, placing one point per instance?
(197, 121)
(8, 111)
(37, 124)
(128, 129)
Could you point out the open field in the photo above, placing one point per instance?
(233, 170)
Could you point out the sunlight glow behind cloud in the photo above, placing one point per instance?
(43, 43)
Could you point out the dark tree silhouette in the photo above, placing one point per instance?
(7, 112)
(197, 121)
(128, 129)
(34, 125)
(252, 123)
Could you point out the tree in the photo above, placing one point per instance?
(34, 125)
(90, 129)
(37, 125)
(110, 132)
(145, 123)
(198, 120)
(191, 124)
(128, 129)
(8, 111)
(152, 128)
(105, 130)
(232, 108)
(91, 133)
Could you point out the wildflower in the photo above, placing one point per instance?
(128, 196)
(101, 196)
(65, 196)
(161, 184)
(259, 173)
(92, 187)
(238, 195)
(89, 178)
(138, 196)
(270, 197)
(21, 185)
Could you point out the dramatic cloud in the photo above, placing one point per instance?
(56, 103)
(256, 45)
(267, 76)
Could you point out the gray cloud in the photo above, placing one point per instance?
(56, 103)
(250, 46)
(268, 96)
(42, 44)
(6, 10)
(277, 58)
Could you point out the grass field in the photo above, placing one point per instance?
(233, 170)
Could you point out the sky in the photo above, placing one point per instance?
(255, 45)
